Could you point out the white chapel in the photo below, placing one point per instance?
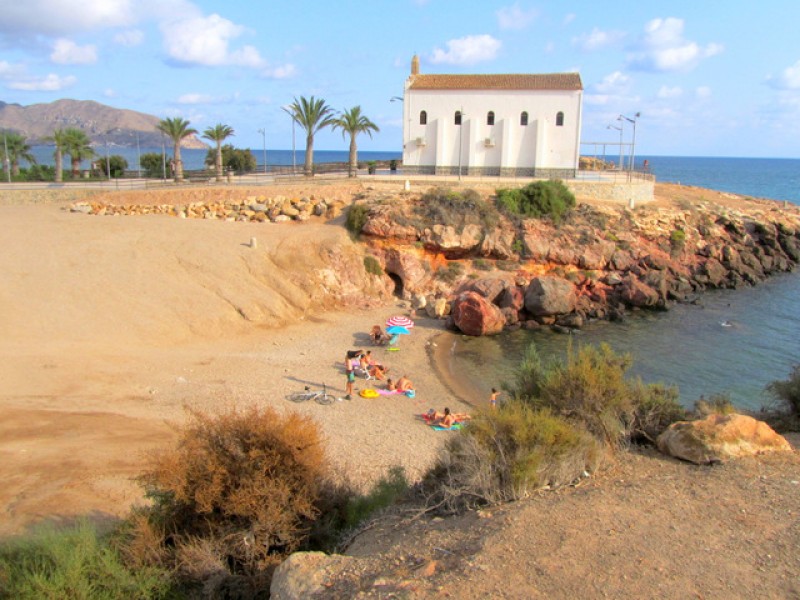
(523, 125)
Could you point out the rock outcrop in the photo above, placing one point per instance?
(720, 437)
(475, 315)
(304, 574)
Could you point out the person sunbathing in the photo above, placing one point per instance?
(445, 419)
(390, 385)
(377, 371)
(404, 384)
(378, 336)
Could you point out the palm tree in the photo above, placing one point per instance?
(353, 122)
(312, 115)
(218, 134)
(59, 138)
(78, 145)
(176, 129)
(17, 150)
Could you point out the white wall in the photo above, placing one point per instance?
(541, 144)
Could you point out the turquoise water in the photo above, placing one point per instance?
(686, 346)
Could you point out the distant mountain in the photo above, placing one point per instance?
(103, 124)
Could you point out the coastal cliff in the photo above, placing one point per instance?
(602, 261)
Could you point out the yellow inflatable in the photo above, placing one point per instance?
(368, 393)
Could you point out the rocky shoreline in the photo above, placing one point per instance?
(600, 263)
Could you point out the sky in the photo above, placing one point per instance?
(708, 78)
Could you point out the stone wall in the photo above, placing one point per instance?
(640, 191)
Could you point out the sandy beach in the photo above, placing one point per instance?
(113, 327)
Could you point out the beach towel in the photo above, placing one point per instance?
(453, 427)
(388, 392)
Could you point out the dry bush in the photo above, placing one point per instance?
(239, 492)
(716, 404)
(507, 453)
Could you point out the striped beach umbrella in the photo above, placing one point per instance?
(399, 321)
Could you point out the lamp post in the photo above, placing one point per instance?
(263, 133)
(290, 112)
(6, 161)
(633, 141)
(620, 142)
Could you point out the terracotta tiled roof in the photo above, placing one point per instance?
(546, 81)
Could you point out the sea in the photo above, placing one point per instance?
(733, 342)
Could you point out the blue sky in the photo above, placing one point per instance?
(709, 78)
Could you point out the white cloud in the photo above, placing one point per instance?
(49, 83)
(703, 92)
(195, 99)
(280, 72)
(205, 41)
(663, 48)
(569, 18)
(129, 38)
(669, 92)
(597, 39)
(514, 17)
(67, 52)
(109, 93)
(53, 17)
(613, 83)
(789, 78)
(467, 50)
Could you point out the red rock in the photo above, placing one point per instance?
(474, 315)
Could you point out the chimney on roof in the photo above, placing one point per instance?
(415, 65)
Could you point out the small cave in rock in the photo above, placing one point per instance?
(398, 284)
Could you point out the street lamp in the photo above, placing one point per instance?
(163, 158)
(290, 112)
(633, 141)
(263, 133)
(620, 142)
(138, 156)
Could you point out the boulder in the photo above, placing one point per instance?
(637, 293)
(549, 295)
(512, 297)
(305, 574)
(474, 315)
(491, 289)
(720, 437)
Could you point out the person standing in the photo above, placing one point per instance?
(351, 377)
(493, 398)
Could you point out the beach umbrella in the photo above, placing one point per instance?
(397, 330)
(399, 321)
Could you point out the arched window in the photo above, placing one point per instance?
(490, 118)
(423, 117)
(523, 119)
(560, 119)
(458, 117)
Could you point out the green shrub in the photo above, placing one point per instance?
(787, 392)
(482, 264)
(716, 404)
(239, 493)
(153, 164)
(372, 265)
(677, 239)
(656, 407)
(451, 272)
(388, 491)
(539, 199)
(518, 246)
(75, 562)
(505, 454)
(357, 216)
(508, 265)
(456, 209)
(590, 387)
